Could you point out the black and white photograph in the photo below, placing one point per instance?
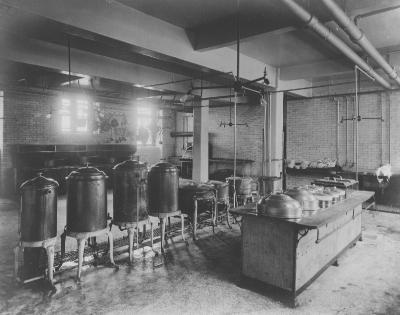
(200, 157)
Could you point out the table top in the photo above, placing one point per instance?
(323, 216)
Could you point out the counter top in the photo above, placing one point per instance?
(323, 216)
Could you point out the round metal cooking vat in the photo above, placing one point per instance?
(38, 209)
(221, 188)
(306, 199)
(86, 200)
(162, 188)
(187, 195)
(279, 206)
(324, 200)
(242, 185)
(130, 190)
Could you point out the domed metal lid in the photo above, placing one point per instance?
(217, 183)
(301, 194)
(280, 206)
(164, 167)
(87, 172)
(129, 165)
(39, 182)
(334, 193)
(323, 196)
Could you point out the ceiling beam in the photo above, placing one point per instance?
(117, 21)
(54, 56)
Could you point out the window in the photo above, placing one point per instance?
(65, 115)
(82, 109)
(145, 124)
(73, 115)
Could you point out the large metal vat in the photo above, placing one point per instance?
(130, 189)
(86, 200)
(187, 195)
(221, 189)
(241, 184)
(38, 209)
(163, 184)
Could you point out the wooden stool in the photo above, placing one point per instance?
(48, 245)
(163, 217)
(81, 239)
(131, 227)
(196, 199)
(225, 202)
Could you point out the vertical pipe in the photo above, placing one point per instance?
(234, 151)
(389, 118)
(265, 135)
(347, 108)
(357, 118)
(69, 63)
(354, 133)
(380, 96)
(269, 135)
(337, 130)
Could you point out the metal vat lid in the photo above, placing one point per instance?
(301, 194)
(280, 206)
(323, 196)
(164, 167)
(217, 183)
(39, 182)
(129, 165)
(87, 172)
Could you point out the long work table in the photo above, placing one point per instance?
(291, 254)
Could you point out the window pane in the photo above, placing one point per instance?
(82, 108)
(65, 123)
(65, 115)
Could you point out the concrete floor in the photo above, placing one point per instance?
(204, 278)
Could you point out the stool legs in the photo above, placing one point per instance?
(183, 227)
(111, 248)
(162, 223)
(81, 248)
(195, 221)
(130, 236)
(50, 261)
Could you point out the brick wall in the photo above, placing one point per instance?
(312, 128)
(249, 139)
(29, 119)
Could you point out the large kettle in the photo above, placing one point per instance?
(280, 206)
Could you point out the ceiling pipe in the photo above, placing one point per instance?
(359, 37)
(313, 22)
